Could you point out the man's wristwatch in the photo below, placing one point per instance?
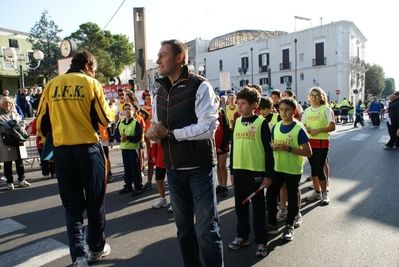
(170, 135)
(289, 149)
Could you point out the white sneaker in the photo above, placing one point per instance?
(3, 179)
(326, 199)
(170, 208)
(10, 186)
(46, 177)
(161, 203)
(314, 196)
(298, 220)
(24, 183)
(281, 215)
(95, 256)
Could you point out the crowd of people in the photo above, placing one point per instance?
(185, 133)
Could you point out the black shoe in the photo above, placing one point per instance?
(218, 189)
(136, 192)
(110, 178)
(224, 192)
(125, 189)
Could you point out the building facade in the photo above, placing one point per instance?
(10, 76)
(331, 56)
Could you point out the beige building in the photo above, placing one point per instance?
(10, 78)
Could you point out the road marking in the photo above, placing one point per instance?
(338, 135)
(360, 137)
(36, 254)
(384, 139)
(9, 225)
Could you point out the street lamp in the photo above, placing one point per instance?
(201, 70)
(12, 56)
(190, 66)
(301, 18)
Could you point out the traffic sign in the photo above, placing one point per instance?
(337, 92)
(355, 91)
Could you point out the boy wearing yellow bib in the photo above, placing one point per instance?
(128, 132)
(290, 147)
(251, 162)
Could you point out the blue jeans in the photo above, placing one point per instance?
(192, 192)
(82, 182)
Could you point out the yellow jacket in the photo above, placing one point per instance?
(71, 107)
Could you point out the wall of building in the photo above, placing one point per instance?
(342, 41)
(9, 77)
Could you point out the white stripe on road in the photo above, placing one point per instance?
(338, 135)
(384, 139)
(9, 225)
(36, 254)
(360, 137)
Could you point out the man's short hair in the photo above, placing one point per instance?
(177, 48)
(80, 59)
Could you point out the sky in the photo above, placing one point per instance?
(207, 19)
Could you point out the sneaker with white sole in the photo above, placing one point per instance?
(288, 233)
(161, 203)
(95, 256)
(298, 220)
(261, 250)
(10, 186)
(23, 183)
(325, 199)
(170, 209)
(314, 196)
(272, 229)
(281, 215)
(238, 242)
(80, 262)
(46, 177)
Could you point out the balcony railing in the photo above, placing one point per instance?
(320, 61)
(263, 68)
(285, 66)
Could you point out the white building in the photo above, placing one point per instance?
(331, 56)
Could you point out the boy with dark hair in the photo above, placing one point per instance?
(128, 132)
(251, 167)
(290, 146)
(265, 107)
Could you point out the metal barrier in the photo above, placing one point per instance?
(31, 150)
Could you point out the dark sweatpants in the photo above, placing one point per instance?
(82, 183)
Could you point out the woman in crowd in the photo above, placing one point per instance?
(8, 153)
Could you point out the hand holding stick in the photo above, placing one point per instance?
(252, 195)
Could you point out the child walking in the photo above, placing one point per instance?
(251, 167)
(290, 146)
(129, 132)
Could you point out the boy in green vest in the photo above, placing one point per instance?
(129, 132)
(251, 162)
(290, 146)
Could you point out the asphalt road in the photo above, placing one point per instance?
(358, 228)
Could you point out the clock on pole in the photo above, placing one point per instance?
(68, 48)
